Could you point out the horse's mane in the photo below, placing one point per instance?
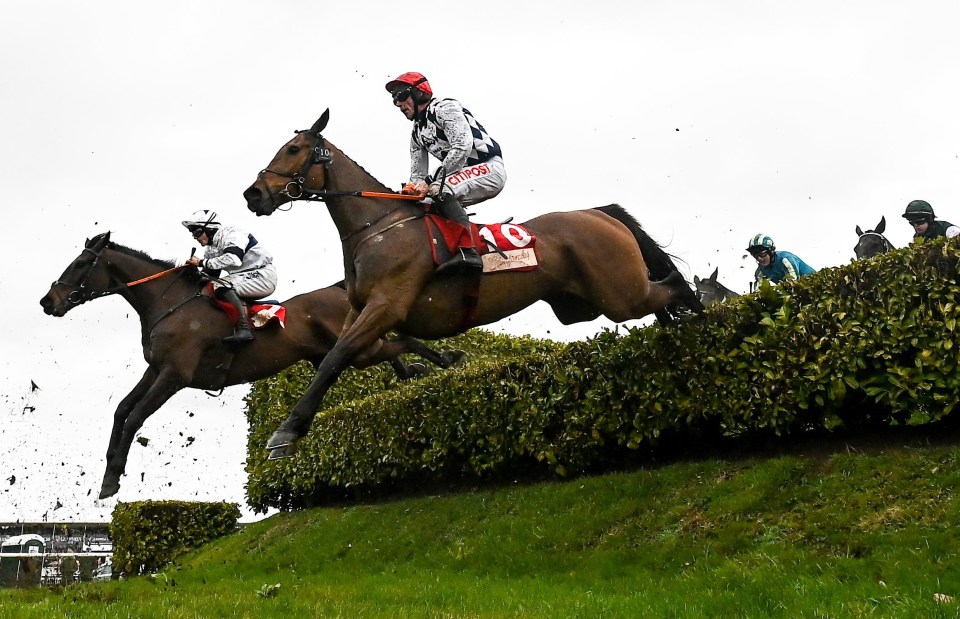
(189, 274)
(353, 161)
(136, 253)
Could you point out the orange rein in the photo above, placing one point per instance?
(155, 275)
(394, 196)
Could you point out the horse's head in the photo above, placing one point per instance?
(872, 242)
(298, 169)
(83, 279)
(710, 291)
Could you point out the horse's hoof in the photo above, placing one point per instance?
(282, 438)
(279, 453)
(453, 357)
(108, 489)
(416, 370)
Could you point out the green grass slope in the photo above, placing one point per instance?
(826, 527)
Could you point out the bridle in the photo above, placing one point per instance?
(79, 293)
(295, 189)
(885, 244)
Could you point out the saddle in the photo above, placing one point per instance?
(260, 312)
(502, 246)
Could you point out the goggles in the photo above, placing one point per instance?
(196, 232)
(401, 94)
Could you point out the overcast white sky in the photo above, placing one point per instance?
(709, 121)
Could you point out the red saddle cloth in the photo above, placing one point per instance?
(502, 246)
(260, 314)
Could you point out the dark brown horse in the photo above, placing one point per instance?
(181, 332)
(872, 242)
(711, 291)
(592, 262)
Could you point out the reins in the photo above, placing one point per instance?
(152, 277)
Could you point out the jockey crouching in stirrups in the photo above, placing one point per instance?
(249, 266)
(471, 159)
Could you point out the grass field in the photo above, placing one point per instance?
(856, 527)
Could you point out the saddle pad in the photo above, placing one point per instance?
(502, 246)
(259, 313)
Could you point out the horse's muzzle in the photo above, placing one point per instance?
(256, 202)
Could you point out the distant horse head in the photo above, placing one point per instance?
(872, 242)
(711, 291)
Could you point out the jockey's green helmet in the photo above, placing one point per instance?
(919, 210)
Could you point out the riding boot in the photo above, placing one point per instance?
(466, 259)
(241, 332)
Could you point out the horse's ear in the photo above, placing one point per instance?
(859, 231)
(696, 280)
(321, 123)
(882, 225)
(100, 239)
(713, 277)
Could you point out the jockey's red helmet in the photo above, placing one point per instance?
(412, 79)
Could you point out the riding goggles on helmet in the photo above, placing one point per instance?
(401, 94)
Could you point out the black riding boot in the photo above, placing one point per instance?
(242, 332)
(466, 259)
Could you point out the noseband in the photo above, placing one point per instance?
(79, 293)
(295, 188)
(885, 245)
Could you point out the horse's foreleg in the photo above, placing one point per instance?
(126, 405)
(158, 392)
(358, 336)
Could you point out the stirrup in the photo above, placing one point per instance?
(239, 337)
(463, 261)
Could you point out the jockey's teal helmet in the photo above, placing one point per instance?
(919, 210)
(760, 243)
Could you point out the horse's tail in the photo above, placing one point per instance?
(659, 263)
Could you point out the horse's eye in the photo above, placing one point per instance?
(293, 150)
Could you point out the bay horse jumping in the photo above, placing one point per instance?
(181, 332)
(872, 242)
(711, 291)
(591, 262)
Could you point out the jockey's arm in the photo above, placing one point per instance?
(419, 163)
(453, 122)
(790, 270)
(231, 258)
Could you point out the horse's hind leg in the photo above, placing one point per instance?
(390, 350)
(404, 344)
(129, 418)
